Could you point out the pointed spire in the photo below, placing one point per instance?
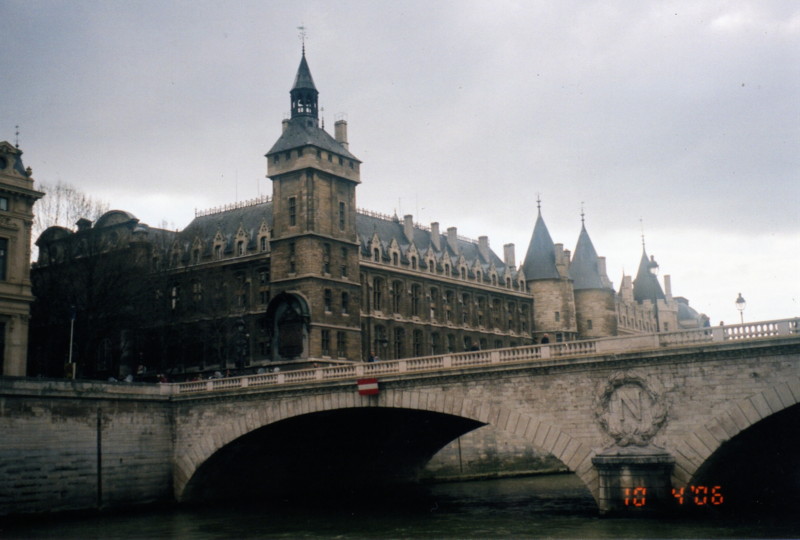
(585, 267)
(304, 93)
(646, 286)
(540, 260)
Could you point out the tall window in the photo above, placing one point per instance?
(345, 303)
(418, 343)
(3, 258)
(328, 299)
(377, 294)
(326, 343)
(326, 258)
(397, 292)
(344, 262)
(341, 216)
(292, 265)
(292, 211)
(416, 293)
(341, 344)
(399, 338)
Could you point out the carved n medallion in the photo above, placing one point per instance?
(629, 411)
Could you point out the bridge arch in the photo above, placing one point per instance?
(694, 451)
(207, 441)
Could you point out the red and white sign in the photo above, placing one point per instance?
(367, 387)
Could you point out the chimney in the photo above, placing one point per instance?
(509, 256)
(668, 286)
(483, 247)
(436, 238)
(601, 266)
(452, 239)
(284, 125)
(340, 133)
(83, 224)
(408, 227)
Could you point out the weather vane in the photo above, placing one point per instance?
(302, 36)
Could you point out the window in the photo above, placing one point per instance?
(292, 250)
(397, 293)
(416, 293)
(326, 343)
(589, 324)
(292, 211)
(217, 251)
(174, 297)
(451, 343)
(376, 255)
(413, 263)
(344, 262)
(262, 243)
(435, 343)
(399, 338)
(558, 316)
(345, 303)
(341, 344)
(263, 277)
(326, 258)
(240, 248)
(417, 342)
(3, 258)
(4, 204)
(377, 291)
(197, 292)
(341, 216)
(328, 299)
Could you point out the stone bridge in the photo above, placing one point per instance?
(632, 417)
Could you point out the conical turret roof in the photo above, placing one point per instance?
(540, 260)
(585, 269)
(646, 286)
(303, 79)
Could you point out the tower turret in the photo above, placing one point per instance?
(594, 297)
(547, 276)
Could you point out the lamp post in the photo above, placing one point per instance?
(740, 305)
(653, 268)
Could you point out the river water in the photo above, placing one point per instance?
(534, 507)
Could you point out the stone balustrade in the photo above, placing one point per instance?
(532, 353)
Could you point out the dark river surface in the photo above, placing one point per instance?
(533, 507)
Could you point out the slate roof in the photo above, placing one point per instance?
(303, 79)
(540, 260)
(646, 285)
(584, 269)
(227, 223)
(393, 229)
(299, 133)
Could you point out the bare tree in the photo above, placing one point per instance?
(64, 204)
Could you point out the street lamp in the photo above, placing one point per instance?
(740, 305)
(653, 268)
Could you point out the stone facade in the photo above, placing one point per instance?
(17, 197)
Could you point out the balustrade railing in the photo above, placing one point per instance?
(531, 353)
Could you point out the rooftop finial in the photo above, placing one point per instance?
(539, 202)
(583, 222)
(302, 35)
(16, 136)
(641, 225)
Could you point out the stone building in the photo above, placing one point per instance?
(17, 198)
(305, 277)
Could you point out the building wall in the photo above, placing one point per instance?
(17, 198)
(596, 313)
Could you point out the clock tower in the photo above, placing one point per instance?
(314, 247)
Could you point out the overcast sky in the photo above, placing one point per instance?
(679, 119)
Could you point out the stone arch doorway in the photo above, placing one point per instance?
(288, 322)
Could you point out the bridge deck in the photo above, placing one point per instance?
(717, 335)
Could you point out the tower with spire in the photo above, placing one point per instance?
(314, 247)
(546, 270)
(594, 294)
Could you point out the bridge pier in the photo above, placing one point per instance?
(634, 480)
